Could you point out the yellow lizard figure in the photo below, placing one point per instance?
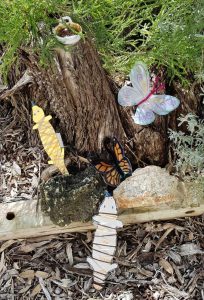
(49, 138)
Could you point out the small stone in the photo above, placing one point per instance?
(58, 291)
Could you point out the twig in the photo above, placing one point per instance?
(72, 270)
(27, 78)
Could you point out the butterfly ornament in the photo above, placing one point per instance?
(148, 102)
(114, 173)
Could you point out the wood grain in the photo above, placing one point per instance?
(29, 222)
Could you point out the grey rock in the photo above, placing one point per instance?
(153, 186)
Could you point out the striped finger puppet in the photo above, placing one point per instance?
(49, 138)
(105, 242)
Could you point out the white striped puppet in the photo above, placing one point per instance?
(49, 138)
(105, 242)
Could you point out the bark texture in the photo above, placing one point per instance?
(79, 95)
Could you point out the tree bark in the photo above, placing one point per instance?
(79, 95)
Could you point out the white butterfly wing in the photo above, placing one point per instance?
(128, 96)
(161, 104)
(143, 116)
(139, 76)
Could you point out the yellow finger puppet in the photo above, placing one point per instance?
(50, 139)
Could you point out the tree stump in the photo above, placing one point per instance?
(79, 95)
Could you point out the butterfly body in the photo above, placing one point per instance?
(114, 173)
(147, 101)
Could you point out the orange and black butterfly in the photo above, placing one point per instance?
(114, 173)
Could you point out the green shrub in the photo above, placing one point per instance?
(189, 148)
(163, 32)
(27, 23)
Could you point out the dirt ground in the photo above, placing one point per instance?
(157, 261)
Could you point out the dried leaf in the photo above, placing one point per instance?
(148, 246)
(175, 291)
(30, 247)
(175, 257)
(64, 282)
(29, 274)
(42, 274)
(69, 253)
(162, 238)
(178, 274)
(166, 265)
(133, 270)
(24, 290)
(35, 181)
(7, 244)
(145, 272)
(36, 290)
(89, 237)
(189, 249)
(16, 170)
(82, 266)
(47, 294)
(2, 264)
(191, 236)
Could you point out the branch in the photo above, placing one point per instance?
(27, 78)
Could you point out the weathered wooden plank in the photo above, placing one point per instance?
(21, 219)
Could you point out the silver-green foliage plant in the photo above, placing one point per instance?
(189, 148)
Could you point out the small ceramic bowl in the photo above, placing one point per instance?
(67, 32)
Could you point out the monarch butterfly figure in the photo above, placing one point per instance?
(148, 104)
(114, 173)
(50, 139)
(105, 241)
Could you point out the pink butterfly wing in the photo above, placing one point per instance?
(143, 116)
(139, 76)
(161, 104)
(128, 96)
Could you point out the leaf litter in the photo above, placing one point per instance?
(54, 267)
(156, 260)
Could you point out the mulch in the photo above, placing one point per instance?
(156, 260)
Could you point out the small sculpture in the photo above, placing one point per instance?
(105, 241)
(121, 168)
(67, 32)
(51, 140)
(140, 94)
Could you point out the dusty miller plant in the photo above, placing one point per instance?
(189, 148)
